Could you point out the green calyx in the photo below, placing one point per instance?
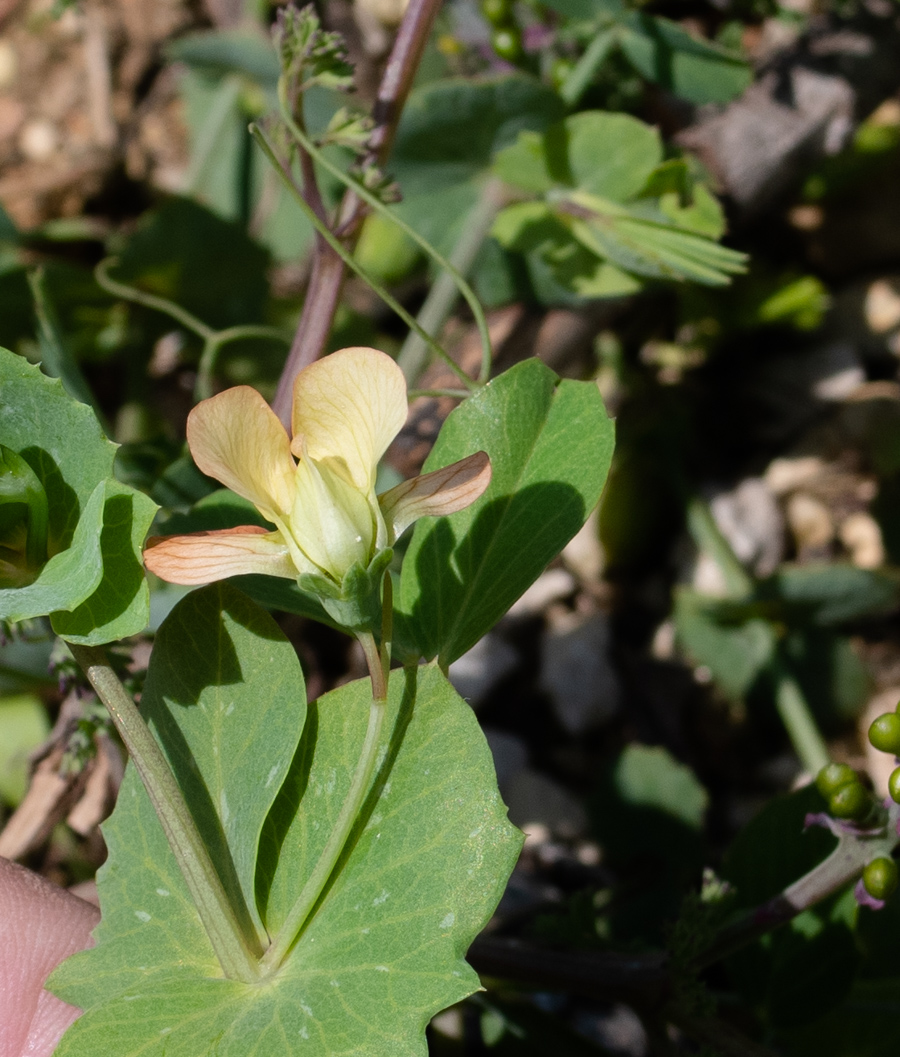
(354, 603)
(23, 521)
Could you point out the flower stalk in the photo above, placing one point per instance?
(238, 954)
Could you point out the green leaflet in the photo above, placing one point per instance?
(610, 210)
(384, 950)
(92, 582)
(550, 444)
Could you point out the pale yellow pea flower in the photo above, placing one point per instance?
(317, 488)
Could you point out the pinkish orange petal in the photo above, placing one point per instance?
(441, 492)
(204, 557)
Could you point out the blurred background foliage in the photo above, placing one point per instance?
(693, 203)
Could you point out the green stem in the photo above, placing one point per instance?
(237, 953)
(455, 394)
(855, 849)
(302, 910)
(375, 203)
(792, 707)
(445, 291)
(213, 346)
(798, 719)
(141, 297)
(587, 67)
(709, 537)
(334, 242)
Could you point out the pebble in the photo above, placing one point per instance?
(577, 674)
(533, 798)
(882, 305)
(861, 535)
(38, 139)
(553, 585)
(749, 518)
(788, 474)
(485, 664)
(809, 520)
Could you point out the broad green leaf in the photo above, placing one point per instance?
(697, 70)
(447, 138)
(532, 228)
(70, 576)
(550, 445)
(832, 593)
(658, 250)
(611, 155)
(226, 694)
(120, 606)
(648, 776)
(221, 52)
(735, 652)
(384, 949)
(208, 265)
(95, 524)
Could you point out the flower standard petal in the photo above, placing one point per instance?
(442, 492)
(236, 438)
(204, 557)
(348, 407)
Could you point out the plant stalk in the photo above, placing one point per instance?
(237, 953)
(445, 292)
(327, 276)
(305, 904)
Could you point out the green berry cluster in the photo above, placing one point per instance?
(847, 797)
(884, 734)
(506, 37)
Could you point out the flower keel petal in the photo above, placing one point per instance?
(204, 557)
(441, 492)
(348, 407)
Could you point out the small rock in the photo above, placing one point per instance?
(488, 661)
(577, 674)
(619, 1031)
(882, 305)
(861, 535)
(38, 139)
(510, 755)
(787, 475)
(749, 518)
(534, 798)
(839, 372)
(551, 586)
(9, 64)
(583, 554)
(810, 521)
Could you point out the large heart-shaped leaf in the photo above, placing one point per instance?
(421, 874)
(550, 444)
